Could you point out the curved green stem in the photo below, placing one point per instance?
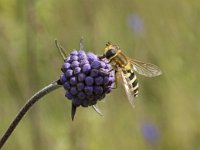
(51, 87)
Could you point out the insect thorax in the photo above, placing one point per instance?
(120, 60)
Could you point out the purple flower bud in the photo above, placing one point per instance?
(89, 80)
(66, 85)
(63, 78)
(65, 67)
(69, 73)
(88, 90)
(73, 81)
(98, 90)
(91, 57)
(99, 80)
(101, 96)
(82, 57)
(80, 86)
(86, 68)
(74, 64)
(90, 97)
(74, 52)
(94, 72)
(77, 70)
(81, 95)
(95, 64)
(73, 90)
(83, 62)
(69, 96)
(106, 80)
(67, 59)
(73, 58)
(81, 53)
(81, 77)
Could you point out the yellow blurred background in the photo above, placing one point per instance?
(166, 33)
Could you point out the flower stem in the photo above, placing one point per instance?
(51, 87)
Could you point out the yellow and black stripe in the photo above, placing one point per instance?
(132, 81)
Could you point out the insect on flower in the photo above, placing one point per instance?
(124, 67)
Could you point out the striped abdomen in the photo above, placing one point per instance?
(132, 81)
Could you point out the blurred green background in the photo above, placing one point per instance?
(165, 33)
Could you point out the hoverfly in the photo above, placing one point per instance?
(125, 67)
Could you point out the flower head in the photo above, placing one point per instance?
(86, 78)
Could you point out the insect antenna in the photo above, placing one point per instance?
(108, 43)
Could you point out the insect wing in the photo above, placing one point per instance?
(127, 88)
(146, 69)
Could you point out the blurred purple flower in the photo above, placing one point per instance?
(136, 23)
(150, 132)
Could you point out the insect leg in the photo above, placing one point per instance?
(116, 81)
(110, 70)
(116, 75)
(106, 72)
(105, 60)
(101, 56)
(108, 62)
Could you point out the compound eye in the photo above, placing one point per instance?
(110, 53)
